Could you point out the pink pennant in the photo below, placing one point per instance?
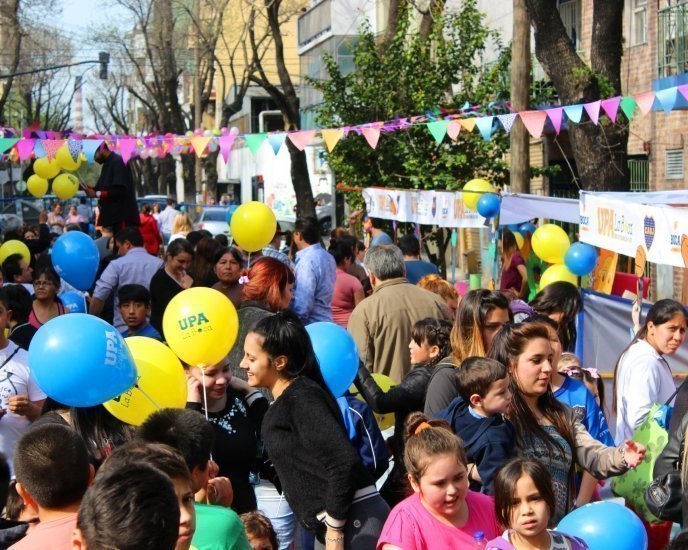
(555, 117)
(302, 138)
(372, 136)
(684, 90)
(453, 129)
(593, 110)
(226, 144)
(645, 101)
(127, 146)
(25, 148)
(534, 121)
(611, 107)
(51, 146)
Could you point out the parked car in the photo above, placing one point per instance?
(214, 219)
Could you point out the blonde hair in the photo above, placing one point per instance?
(568, 360)
(181, 223)
(437, 285)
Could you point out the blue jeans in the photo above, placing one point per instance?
(276, 508)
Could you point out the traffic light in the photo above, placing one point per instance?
(104, 59)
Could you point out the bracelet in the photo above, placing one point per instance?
(340, 538)
(624, 462)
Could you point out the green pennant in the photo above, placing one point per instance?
(628, 106)
(6, 143)
(438, 129)
(254, 141)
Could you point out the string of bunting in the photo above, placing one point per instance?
(35, 143)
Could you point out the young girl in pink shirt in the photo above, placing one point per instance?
(442, 512)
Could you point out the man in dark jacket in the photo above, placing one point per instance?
(115, 192)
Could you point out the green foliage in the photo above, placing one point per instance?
(412, 76)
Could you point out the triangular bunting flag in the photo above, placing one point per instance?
(276, 141)
(611, 107)
(331, 137)
(302, 138)
(484, 124)
(372, 136)
(683, 90)
(75, 147)
(507, 121)
(593, 110)
(51, 146)
(90, 146)
(574, 113)
(628, 106)
(25, 148)
(438, 129)
(667, 98)
(645, 101)
(127, 146)
(555, 117)
(199, 144)
(453, 129)
(534, 121)
(6, 143)
(254, 141)
(468, 123)
(226, 144)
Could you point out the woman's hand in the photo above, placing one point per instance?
(634, 453)
(334, 540)
(193, 389)
(186, 281)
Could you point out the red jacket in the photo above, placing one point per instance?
(150, 233)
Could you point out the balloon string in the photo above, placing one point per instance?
(148, 397)
(205, 401)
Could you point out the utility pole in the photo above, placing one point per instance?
(520, 96)
(198, 173)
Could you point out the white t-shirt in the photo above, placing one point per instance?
(643, 379)
(15, 379)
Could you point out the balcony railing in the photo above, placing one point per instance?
(315, 22)
(672, 35)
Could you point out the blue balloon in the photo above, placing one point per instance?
(337, 354)
(513, 227)
(81, 361)
(75, 258)
(230, 212)
(488, 205)
(526, 228)
(605, 525)
(581, 259)
(73, 302)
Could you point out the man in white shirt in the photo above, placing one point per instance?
(166, 218)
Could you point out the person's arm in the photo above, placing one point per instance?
(20, 404)
(492, 457)
(523, 272)
(304, 289)
(104, 287)
(360, 331)
(395, 399)
(358, 292)
(586, 489)
(640, 397)
(441, 390)
(668, 460)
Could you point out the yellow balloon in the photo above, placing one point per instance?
(37, 185)
(384, 421)
(65, 186)
(200, 325)
(519, 240)
(65, 160)
(471, 199)
(555, 273)
(45, 168)
(14, 247)
(550, 243)
(161, 382)
(253, 226)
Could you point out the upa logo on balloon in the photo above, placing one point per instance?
(112, 347)
(194, 323)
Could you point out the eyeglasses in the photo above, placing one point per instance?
(43, 283)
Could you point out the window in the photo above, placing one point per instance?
(639, 22)
(673, 168)
(570, 12)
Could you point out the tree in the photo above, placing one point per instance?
(411, 74)
(600, 150)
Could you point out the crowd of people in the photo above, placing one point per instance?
(499, 431)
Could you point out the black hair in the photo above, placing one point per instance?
(561, 297)
(131, 234)
(433, 332)
(194, 236)
(163, 457)
(48, 272)
(222, 239)
(51, 462)
(11, 267)
(409, 244)
(476, 375)
(377, 223)
(148, 521)
(233, 250)
(134, 293)
(17, 299)
(309, 228)
(360, 246)
(508, 241)
(185, 430)
(177, 246)
(4, 480)
(340, 251)
(100, 430)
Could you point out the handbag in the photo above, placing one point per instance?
(664, 497)
(652, 433)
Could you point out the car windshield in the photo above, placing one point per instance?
(215, 216)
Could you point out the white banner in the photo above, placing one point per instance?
(624, 227)
(441, 208)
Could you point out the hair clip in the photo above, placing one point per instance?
(422, 426)
(243, 280)
(591, 371)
